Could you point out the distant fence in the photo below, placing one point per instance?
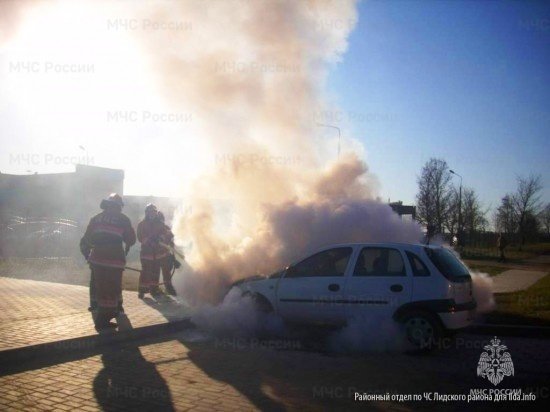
(39, 237)
(484, 245)
(479, 245)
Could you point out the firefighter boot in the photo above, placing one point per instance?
(170, 289)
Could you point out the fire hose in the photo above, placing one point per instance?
(171, 249)
(140, 270)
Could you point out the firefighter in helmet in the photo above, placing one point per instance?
(169, 263)
(150, 233)
(105, 244)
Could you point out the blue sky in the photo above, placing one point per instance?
(466, 81)
(460, 80)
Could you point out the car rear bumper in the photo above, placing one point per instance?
(458, 316)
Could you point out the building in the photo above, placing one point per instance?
(403, 210)
(46, 214)
(63, 195)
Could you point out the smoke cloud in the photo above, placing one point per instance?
(11, 14)
(254, 72)
(482, 286)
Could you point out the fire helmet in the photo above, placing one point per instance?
(113, 199)
(150, 208)
(116, 199)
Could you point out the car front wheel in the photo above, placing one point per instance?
(261, 304)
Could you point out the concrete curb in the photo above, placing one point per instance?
(90, 343)
(542, 332)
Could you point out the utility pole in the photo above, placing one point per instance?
(85, 151)
(459, 208)
(339, 134)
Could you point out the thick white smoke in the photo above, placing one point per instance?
(482, 285)
(253, 73)
(236, 315)
(287, 230)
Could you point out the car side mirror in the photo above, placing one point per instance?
(287, 270)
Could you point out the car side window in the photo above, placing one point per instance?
(418, 267)
(379, 261)
(332, 262)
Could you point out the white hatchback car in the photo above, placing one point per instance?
(426, 288)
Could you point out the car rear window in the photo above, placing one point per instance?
(447, 263)
(418, 267)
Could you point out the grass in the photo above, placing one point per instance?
(64, 270)
(512, 252)
(527, 307)
(538, 248)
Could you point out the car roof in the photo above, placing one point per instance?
(391, 244)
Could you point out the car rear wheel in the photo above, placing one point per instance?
(423, 330)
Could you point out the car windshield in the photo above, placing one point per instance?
(277, 274)
(447, 263)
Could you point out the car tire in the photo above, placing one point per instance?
(422, 329)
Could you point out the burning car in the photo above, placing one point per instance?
(425, 288)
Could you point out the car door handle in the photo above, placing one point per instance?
(334, 287)
(396, 288)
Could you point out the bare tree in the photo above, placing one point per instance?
(516, 211)
(472, 212)
(434, 193)
(505, 219)
(526, 201)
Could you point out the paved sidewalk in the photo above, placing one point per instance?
(34, 312)
(515, 280)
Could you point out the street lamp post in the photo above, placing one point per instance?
(85, 151)
(339, 134)
(459, 208)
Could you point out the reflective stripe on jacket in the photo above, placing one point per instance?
(104, 239)
(150, 233)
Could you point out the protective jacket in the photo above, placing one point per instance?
(150, 233)
(102, 243)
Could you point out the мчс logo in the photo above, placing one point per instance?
(495, 364)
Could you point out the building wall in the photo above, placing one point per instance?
(65, 195)
(46, 214)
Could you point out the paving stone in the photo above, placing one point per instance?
(34, 312)
(515, 280)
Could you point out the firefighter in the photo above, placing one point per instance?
(169, 263)
(102, 246)
(150, 232)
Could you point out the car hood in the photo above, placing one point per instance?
(248, 279)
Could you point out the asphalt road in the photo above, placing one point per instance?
(190, 370)
(331, 380)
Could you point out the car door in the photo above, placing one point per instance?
(378, 284)
(311, 290)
